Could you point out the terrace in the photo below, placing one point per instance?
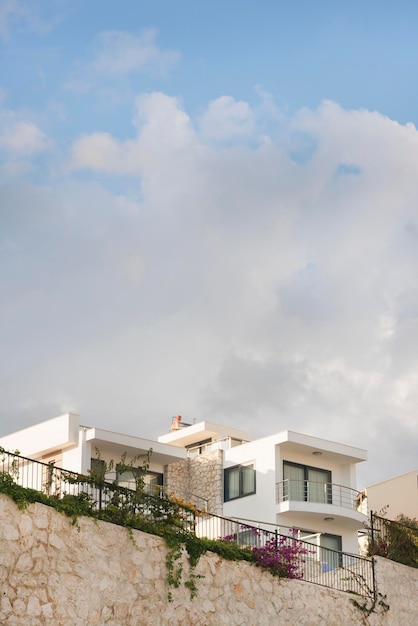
(102, 499)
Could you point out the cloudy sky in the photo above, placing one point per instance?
(211, 209)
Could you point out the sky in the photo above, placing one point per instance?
(211, 210)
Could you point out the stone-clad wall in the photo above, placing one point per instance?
(201, 474)
(56, 574)
(399, 584)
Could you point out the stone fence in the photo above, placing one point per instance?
(53, 573)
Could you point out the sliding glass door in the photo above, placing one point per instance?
(304, 483)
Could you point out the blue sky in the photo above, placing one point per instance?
(360, 54)
(211, 210)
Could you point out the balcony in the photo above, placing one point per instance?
(320, 499)
(209, 446)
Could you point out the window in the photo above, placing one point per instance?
(239, 481)
(328, 548)
(331, 551)
(304, 483)
(98, 469)
(198, 448)
(152, 480)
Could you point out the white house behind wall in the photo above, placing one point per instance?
(75, 447)
(286, 480)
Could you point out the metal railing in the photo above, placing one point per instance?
(51, 480)
(396, 540)
(311, 491)
(161, 491)
(322, 566)
(220, 444)
(55, 481)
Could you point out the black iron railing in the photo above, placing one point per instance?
(160, 491)
(396, 540)
(322, 566)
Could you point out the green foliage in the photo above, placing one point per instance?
(13, 469)
(396, 540)
(21, 496)
(75, 506)
(191, 584)
(229, 551)
(72, 505)
(171, 519)
(194, 547)
(173, 564)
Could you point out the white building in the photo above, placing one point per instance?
(287, 479)
(283, 480)
(398, 495)
(75, 447)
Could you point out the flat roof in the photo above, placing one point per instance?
(195, 433)
(108, 440)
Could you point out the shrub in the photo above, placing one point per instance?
(396, 540)
(283, 556)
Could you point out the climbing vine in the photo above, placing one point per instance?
(168, 517)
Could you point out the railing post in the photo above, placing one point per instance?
(371, 529)
(214, 526)
(374, 578)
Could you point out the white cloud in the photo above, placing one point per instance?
(102, 153)
(247, 285)
(163, 129)
(20, 138)
(162, 118)
(21, 143)
(134, 268)
(226, 119)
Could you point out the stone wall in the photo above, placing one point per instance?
(55, 574)
(201, 474)
(398, 586)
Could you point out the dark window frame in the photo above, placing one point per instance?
(241, 492)
(306, 479)
(135, 471)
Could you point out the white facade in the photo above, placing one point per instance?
(286, 480)
(72, 446)
(399, 495)
(299, 481)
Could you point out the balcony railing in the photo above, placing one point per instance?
(322, 493)
(220, 444)
(323, 566)
(160, 491)
(55, 481)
